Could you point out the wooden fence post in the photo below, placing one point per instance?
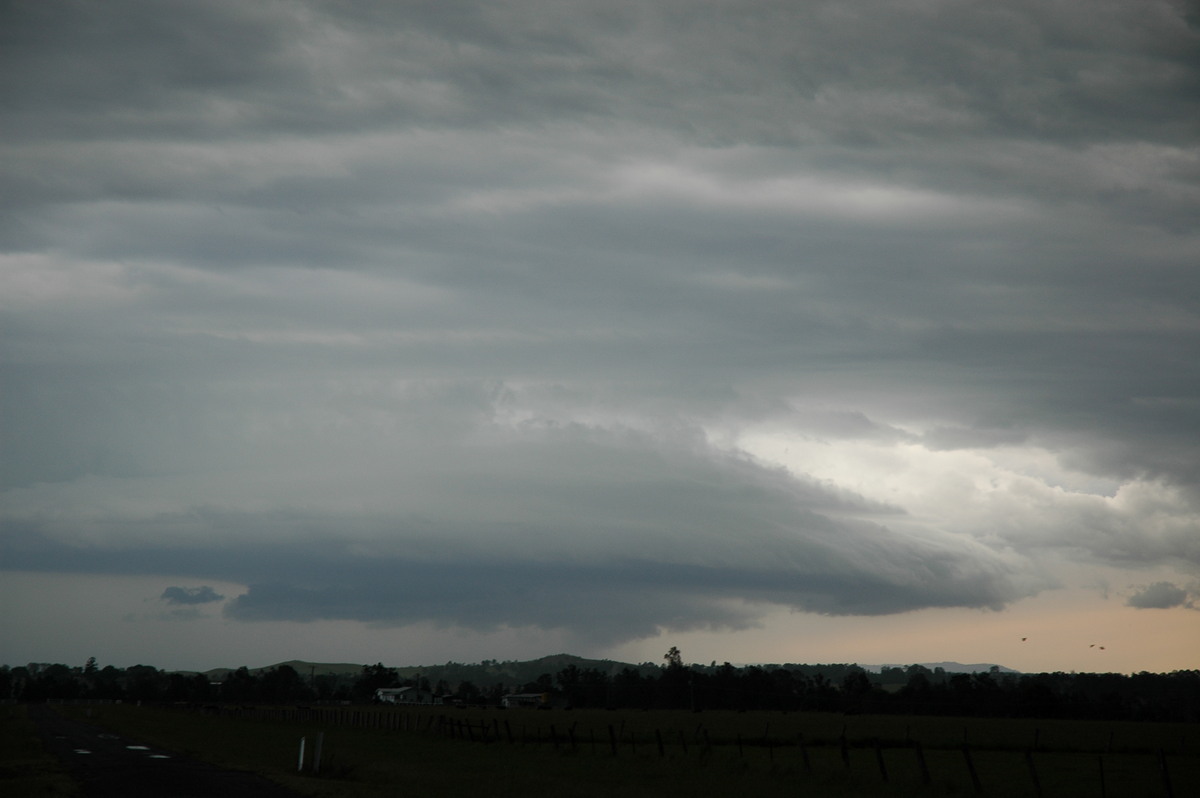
(1103, 787)
(1033, 774)
(1166, 774)
(804, 754)
(879, 760)
(978, 787)
(612, 739)
(925, 779)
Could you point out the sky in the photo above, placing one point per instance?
(428, 331)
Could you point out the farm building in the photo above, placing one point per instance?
(530, 700)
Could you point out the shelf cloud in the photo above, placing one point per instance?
(613, 321)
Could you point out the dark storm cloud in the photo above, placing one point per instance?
(616, 533)
(612, 590)
(1159, 596)
(191, 595)
(455, 311)
(621, 600)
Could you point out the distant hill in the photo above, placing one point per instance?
(512, 672)
(482, 674)
(958, 667)
(516, 672)
(948, 667)
(303, 668)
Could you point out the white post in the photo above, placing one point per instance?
(300, 764)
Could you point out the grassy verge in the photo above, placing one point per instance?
(26, 769)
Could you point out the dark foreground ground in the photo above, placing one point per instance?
(106, 765)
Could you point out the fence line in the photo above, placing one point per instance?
(664, 746)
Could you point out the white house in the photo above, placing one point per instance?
(404, 695)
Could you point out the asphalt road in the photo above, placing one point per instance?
(106, 764)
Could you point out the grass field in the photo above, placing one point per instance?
(571, 753)
(25, 767)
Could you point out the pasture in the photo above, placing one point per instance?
(435, 751)
(25, 767)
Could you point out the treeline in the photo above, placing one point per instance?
(824, 688)
(145, 683)
(914, 690)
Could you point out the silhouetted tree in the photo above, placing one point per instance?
(468, 693)
(107, 683)
(144, 683)
(282, 684)
(631, 689)
(371, 679)
(570, 682)
(240, 687)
